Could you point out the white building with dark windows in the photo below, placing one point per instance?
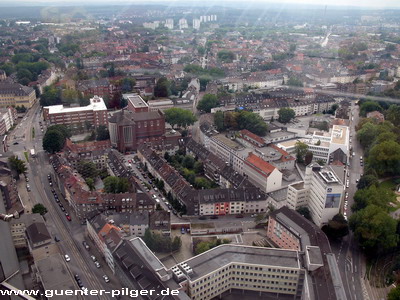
(322, 192)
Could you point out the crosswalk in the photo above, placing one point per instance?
(364, 290)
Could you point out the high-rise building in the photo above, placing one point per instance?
(169, 23)
(183, 24)
(196, 24)
(322, 192)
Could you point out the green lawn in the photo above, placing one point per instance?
(388, 184)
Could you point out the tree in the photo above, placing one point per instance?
(378, 196)
(286, 114)
(188, 162)
(102, 133)
(394, 293)
(369, 106)
(294, 82)
(162, 88)
(208, 102)
(178, 116)
(202, 183)
(337, 227)
(53, 141)
(308, 158)
(226, 56)
(366, 181)
(90, 183)
(385, 158)
(374, 228)
(50, 96)
(17, 164)
(87, 169)
(219, 120)
(250, 121)
(116, 185)
(301, 149)
(39, 209)
(305, 212)
(367, 133)
(393, 114)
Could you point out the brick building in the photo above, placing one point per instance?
(128, 129)
(95, 113)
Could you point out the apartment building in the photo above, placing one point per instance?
(94, 151)
(16, 94)
(236, 195)
(40, 243)
(8, 116)
(229, 150)
(85, 202)
(18, 228)
(287, 229)
(95, 113)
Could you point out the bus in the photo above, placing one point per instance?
(33, 153)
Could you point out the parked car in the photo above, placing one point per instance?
(106, 279)
(56, 239)
(214, 217)
(97, 264)
(85, 245)
(202, 218)
(69, 218)
(67, 258)
(93, 257)
(183, 230)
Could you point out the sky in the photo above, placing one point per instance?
(355, 3)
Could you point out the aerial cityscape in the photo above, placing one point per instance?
(200, 150)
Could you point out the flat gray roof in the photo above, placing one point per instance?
(55, 275)
(223, 255)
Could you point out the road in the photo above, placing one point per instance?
(350, 260)
(71, 234)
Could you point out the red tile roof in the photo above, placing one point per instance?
(285, 155)
(259, 164)
(252, 136)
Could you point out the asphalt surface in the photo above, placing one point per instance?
(70, 233)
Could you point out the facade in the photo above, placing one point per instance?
(130, 129)
(236, 195)
(262, 174)
(322, 144)
(16, 94)
(95, 113)
(135, 103)
(85, 202)
(95, 151)
(8, 189)
(8, 116)
(40, 243)
(18, 228)
(101, 87)
(322, 192)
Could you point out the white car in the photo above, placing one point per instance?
(97, 264)
(106, 279)
(67, 258)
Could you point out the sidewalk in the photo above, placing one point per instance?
(25, 196)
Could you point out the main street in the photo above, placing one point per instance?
(71, 234)
(350, 261)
